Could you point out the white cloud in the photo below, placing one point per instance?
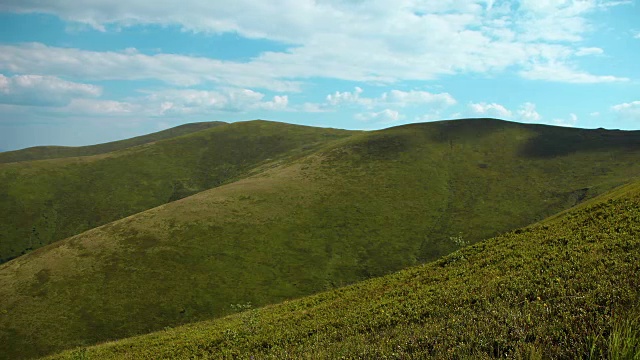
(94, 107)
(492, 109)
(40, 90)
(527, 112)
(557, 20)
(278, 103)
(347, 97)
(585, 51)
(373, 41)
(174, 103)
(174, 69)
(630, 110)
(385, 116)
(414, 97)
(595, 114)
(570, 122)
(559, 72)
(392, 98)
(637, 35)
(189, 101)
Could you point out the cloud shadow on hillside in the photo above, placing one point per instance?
(553, 141)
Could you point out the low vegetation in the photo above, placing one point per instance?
(560, 289)
(329, 209)
(57, 152)
(49, 200)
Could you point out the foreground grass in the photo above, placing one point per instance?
(563, 289)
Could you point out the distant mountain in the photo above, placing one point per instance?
(565, 288)
(302, 210)
(54, 152)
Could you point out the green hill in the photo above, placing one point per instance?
(351, 209)
(52, 152)
(48, 200)
(565, 288)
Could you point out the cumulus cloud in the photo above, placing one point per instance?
(173, 103)
(527, 112)
(385, 116)
(189, 101)
(492, 109)
(37, 90)
(278, 103)
(416, 40)
(569, 122)
(347, 97)
(630, 110)
(392, 98)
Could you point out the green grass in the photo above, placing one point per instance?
(53, 152)
(327, 213)
(565, 288)
(48, 200)
(624, 341)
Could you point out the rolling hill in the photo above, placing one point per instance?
(49, 200)
(53, 152)
(562, 288)
(358, 206)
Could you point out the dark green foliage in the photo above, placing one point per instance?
(564, 289)
(551, 142)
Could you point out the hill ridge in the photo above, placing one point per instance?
(56, 152)
(110, 186)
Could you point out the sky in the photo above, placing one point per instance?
(79, 72)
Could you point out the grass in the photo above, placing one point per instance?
(53, 152)
(346, 209)
(49, 200)
(624, 341)
(560, 289)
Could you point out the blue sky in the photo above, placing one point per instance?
(88, 71)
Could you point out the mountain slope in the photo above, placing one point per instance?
(49, 200)
(362, 206)
(562, 289)
(53, 152)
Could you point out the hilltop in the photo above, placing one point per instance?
(563, 288)
(362, 205)
(55, 152)
(48, 200)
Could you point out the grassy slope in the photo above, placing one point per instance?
(366, 206)
(53, 152)
(552, 290)
(49, 200)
